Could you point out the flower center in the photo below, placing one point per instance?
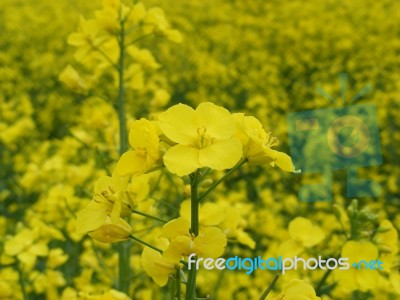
(204, 139)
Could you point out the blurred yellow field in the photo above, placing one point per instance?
(223, 149)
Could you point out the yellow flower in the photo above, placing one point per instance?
(210, 214)
(144, 140)
(108, 17)
(110, 295)
(158, 266)
(204, 138)
(71, 78)
(210, 242)
(144, 57)
(86, 39)
(297, 290)
(26, 248)
(110, 232)
(257, 144)
(232, 226)
(228, 218)
(387, 237)
(354, 278)
(56, 258)
(303, 235)
(303, 231)
(109, 199)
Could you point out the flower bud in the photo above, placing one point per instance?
(112, 233)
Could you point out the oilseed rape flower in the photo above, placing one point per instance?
(210, 242)
(71, 78)
(303, 234)
(355, 278)
(159, 266)
(257, 144)
(111, 231)
(178, 242)
(145, 153)
(109, 199)
(204, 137)
(26, 247)
(228, 218)
(297, 290)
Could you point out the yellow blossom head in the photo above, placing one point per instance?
(204, 138)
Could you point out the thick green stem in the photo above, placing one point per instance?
(269, 288)
(191, 282)
(194, 204)
(124, 267)
(177, 285)
(123, 248)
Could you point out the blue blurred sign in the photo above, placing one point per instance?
(325, 140)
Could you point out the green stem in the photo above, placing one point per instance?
(21, 281)
(194, 204)
(123, 134)
(123, 248)
(215, 184)
(269, 288)
(124, 267)
(191, 282)
(148, 216)
(322, 281)
(145, 243)
(177, 285)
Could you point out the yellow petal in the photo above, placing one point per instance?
(142, 134)
(283, 161)
(19, 242)
(27, 258)
(217, 120)
(357, 251)
(178, 123)
(290, 248)
(174, 228)
(302, 230)
(395, 281)
(156, 267)
(367, 279)
(119, 183)
(102, 184)
(184, 210)
(112, 232)
(245, 239)
(210, 242)
(131, 162)
(182, 160)
(39, 249)
(221, 155)
(180, 246)
(211, 214)
(90, 218)
(116, 211)
(296, 289)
